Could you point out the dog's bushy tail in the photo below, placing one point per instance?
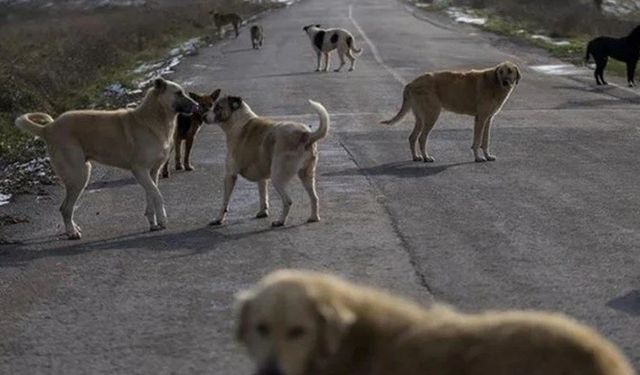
(351, 44)
(588, 55)
(34, 123)
(406, 106)
(325, 122)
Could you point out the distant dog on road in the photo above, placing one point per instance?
(136, 139)
(478, 93)
(257, 36)
(306, 323)
(187, 127)
(260, 149)
(625, 49)
(223, 19)
(326, 40)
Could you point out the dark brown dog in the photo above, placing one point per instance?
(187, 128)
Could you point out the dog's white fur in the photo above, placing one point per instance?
(326, 40)
(306, 323)
(260, 149)
(136, 139)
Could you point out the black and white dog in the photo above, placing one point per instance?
(326, 40)
(625, 49)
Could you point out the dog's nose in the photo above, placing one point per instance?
(271, 368)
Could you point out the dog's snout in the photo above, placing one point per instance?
(271, 368)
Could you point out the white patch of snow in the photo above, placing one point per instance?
(557, 70)
(555, 42)
(4, 199)
(461, 16)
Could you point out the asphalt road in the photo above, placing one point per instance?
(553, 224)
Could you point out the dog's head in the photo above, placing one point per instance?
(288, 323)
(308, 27)
(205, 102)
(223, 109)
(172, 97)
(507, 74)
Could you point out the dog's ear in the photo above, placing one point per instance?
(334, 321)
(160, 84)
(235, 102)
(215, 95)
(243, 305)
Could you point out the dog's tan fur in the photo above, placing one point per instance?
(260, 149)
(304, 323)
(137, 139)
(223, 19)
(477, 93)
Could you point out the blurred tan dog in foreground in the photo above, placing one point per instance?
(136, 139)
(304, 323)
(477, 93)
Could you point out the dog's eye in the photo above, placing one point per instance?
(296, 333)
(262, 330)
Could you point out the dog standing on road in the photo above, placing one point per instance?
(625, 49)
(260, 149)
(326, 40)
(187, 127)
(223, 19)
(478, 93)
(257, 36)
(305, 323)
(135, 139)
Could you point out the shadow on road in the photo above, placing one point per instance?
(398, 169)
(238, 50)
(196, 241)
(287, 74)
(629, 303)
(111, 184)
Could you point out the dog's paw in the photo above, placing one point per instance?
(216, 223)
(490, 157)
(74, 235)
(429, 159)
(179, 167)
(157, 227)
(351, 69)
(313, 219)
(417, 158)
(189, 168)
(480, 159)
(277, 224)
(262, 214)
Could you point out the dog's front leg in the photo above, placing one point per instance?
(478, 130)
(264, 199)
(229, 184)
(486, 134)
(319, 61)
(155, 211)
(326, 61)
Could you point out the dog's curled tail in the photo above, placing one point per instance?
(34, 123)
(406, 106)
(324, 123)
(351, 44)
(588, 55)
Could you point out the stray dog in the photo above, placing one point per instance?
(625, 49)
(304, 323)
(260, 149)
(478, 93)
(135, 139)
(326, 40)
(223, 19)
(187, 128)
(257, 36)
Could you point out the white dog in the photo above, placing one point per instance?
(260, 149)
(326, 40)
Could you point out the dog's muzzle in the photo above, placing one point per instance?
(270, 368)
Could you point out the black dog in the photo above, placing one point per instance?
(625, 49)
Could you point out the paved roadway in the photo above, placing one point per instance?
(553, 224)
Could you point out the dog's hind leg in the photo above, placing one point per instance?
(155, 211)
(229, 184)
(282, 171)
(341, 54)
(427, 125)
(413, 139)
(319, 61)
(352, 59)
(631, 72)
(178, 155)
(187, 154)
(264, 199)
(308, 178)
(326, 61)
(601, 64)
(486, 134)
(74, 172)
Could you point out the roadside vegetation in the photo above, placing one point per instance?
(561, 27)
(58, 58)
